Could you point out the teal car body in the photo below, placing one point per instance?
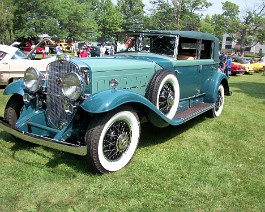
(95, 106)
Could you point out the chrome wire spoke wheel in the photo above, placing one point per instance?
(117, 140)
(166, 98)
(219, 101)
(112, 139)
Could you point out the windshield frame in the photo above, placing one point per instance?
(19, 55)
(141, 46)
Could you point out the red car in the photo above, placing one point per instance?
(237, 69)
(26, 47)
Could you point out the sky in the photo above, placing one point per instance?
(217, 6)
(243, 5)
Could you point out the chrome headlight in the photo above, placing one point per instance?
(33, 79)
(72, 86)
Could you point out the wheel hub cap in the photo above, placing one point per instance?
(122, 142)
(170, 99)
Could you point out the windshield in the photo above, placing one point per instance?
(158, 44)
(240, 60)
(19, 55)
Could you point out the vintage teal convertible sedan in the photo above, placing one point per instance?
(95, 106)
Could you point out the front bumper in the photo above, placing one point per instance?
(43, 141)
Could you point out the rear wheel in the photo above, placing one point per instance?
(219, 104)
(112, 139)
(13, 109)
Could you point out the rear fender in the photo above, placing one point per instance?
(211, 86)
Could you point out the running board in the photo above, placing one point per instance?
(194, 111)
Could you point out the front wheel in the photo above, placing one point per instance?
(219, 104)
(112, 139)
(13, 109)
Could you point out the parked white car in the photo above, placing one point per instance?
(14, 62)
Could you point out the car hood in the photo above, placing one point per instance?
(122, 61)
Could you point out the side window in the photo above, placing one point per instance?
(206, 49)
(187, 49)
(191, 49)
(162, 45)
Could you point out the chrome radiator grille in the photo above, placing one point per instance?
(55, 100)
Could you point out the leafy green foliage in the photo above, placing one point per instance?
(247, 30)
(6, 20)
(109, 20)
(63, 18)
(132, 12)
(178, 14)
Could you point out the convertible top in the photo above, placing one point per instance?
(187, 34)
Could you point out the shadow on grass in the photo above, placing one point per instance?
(76, 162)
(150, 135)
(253, 89)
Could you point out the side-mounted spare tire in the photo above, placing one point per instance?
(163, 92)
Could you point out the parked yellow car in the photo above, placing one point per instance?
(242, 61)
(66, 47)
(258, 66)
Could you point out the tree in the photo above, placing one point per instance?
(206, 25)
(108, 19)
(251, 28)
(178, 14)
(227, 21)
(62, 18)
(6, 20)
(247, 30)
(162, 15)
(132, 12)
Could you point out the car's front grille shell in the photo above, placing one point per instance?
(55, 100)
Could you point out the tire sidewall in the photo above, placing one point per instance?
(220, 109)
(133, 122)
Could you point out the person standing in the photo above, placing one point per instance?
(33, 55)
(47, 49)
(102, 51)
(127, 45)
(83, 53)
(222, 59)
(228, 65)
(59, 51)
(111, 50)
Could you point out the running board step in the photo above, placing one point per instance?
(194, 111)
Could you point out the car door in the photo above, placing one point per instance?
(187, 73)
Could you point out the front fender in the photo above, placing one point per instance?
(110, 99)
(15, 87)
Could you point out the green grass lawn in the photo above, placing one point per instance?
(204, 165)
